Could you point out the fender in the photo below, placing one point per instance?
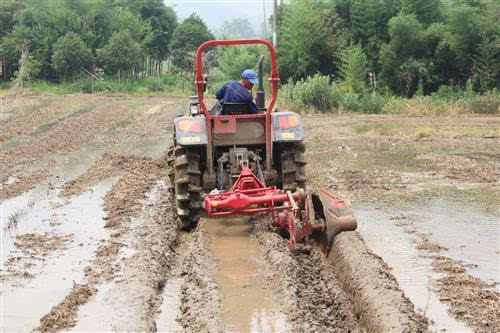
(190, 131)
(287, 127)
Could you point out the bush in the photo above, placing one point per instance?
(448, 94)
(487, 104)
(318, 92)
(314, 91)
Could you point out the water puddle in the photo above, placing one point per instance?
(114, 308)
(247, 303)
(471, 234)
(413, 272)
(80, 221)
(167, 321)
(78, 163)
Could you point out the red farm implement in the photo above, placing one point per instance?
(249, 163)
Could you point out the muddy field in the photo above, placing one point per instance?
(89, 242)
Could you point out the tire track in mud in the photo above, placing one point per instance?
(200, 302)
(122, 203)
(133, 298)
(352, 290)
(308, 290)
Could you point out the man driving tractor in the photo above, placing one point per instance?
(239, 91)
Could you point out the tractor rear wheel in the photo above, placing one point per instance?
(185, 171)
(293, 164)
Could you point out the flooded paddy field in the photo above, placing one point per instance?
(89, 241)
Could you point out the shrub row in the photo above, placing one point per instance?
(320, 93)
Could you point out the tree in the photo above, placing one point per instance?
(71, 55)
(457, 48)
(28, 68)
(368, 21)
(426, 11)
(120, 54)
(354, 67)
(234, 60)
(402, 63)
(8, 9)
(187, 37)
(310, 39)
(487, 67)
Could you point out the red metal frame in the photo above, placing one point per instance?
(246, 193)
(249, 196)
(270, 106)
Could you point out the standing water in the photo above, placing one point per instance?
(247, 303)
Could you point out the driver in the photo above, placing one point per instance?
(240, 91)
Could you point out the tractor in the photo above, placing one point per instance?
(241, 163)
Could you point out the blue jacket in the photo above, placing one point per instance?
(234, 92)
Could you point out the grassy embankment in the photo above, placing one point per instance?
(315, 94)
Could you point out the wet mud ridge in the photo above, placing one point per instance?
(329, 294)
(136, 225)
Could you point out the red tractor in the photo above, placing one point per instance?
(241, 163)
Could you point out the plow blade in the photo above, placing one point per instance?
(335, 214)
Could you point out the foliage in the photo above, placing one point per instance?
(353, 67)
(233, 60)
(187, 37)
(40, 25)
(313, 91)
(120, 54)
(310, 39)
(442, 52)
(71, 55)
(487, 104)
(487, 66)
(162, 21)
(28, 68)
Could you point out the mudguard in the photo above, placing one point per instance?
(190, 131)
(287, 127)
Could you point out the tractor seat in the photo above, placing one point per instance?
(235, 108)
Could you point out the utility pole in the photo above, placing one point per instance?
(265, 18)
(275, 27)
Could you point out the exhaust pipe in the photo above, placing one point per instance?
(261, 95)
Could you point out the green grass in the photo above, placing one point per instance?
(162, 86)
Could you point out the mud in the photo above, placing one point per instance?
(443, 172)
(68, 124)
(121, 204)
(136, 272)
(31, 248)
(471, 300)
(63, 315)
(378, 301)
(247, 301)
(132, 299)
(200, 309)
(305, 284)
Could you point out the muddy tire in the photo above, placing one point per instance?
(293, 173)
(170, 167)
(187, 186)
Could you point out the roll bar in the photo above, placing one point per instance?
(273, 79)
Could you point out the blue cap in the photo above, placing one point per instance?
(250, 75)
